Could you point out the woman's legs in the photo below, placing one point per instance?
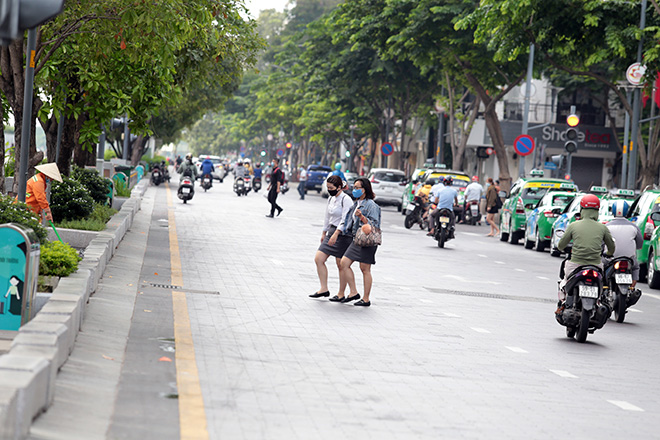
(320, 258)
(346, 275)
(366, 275)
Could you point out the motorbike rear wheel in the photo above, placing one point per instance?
(409, 221)
(442, 238)
(620, 307)
(583, 328)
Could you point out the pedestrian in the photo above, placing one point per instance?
(338, 206)
(363, 212)
(35, 191)
(302, 181)
(493, 205)
(276, 180)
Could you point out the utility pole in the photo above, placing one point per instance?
(632, 165)
(528, 92)
(26, 128)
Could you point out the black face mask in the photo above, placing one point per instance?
(333, 192)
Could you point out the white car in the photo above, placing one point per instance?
(388, 185)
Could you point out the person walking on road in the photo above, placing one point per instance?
(363, 212)
(338, 206)
(302, 180)
(493, 204)
(276, 180)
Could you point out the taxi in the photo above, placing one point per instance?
(460, 180)
(523, 198)
(640, 214)
(605, 211)
(538, 230)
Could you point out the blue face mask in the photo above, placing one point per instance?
(357, 193)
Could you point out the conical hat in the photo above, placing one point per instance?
(50, 170)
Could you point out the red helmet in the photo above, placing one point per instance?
(475, 178)
(590, 201)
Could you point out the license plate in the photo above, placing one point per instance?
(444, 219)
(185, 190)
(410, 208)
(623, 278)
(588, 291)
(474, 209)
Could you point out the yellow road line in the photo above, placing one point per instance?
(192, 414)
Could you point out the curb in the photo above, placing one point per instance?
(42, 346)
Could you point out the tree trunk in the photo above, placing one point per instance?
(67, 144)
(2, 156)
(495, 130)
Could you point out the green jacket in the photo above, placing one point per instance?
(587, 235)
(187, 166)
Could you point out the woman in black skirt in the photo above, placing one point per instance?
(339, 204)
(364, 211)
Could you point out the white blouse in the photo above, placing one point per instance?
(338, 207)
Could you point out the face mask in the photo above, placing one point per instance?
(333, 192)
(357, 193)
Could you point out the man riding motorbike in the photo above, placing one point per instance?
(446, 197)
(239, 170)
(627, 236)
(473, 192)
(207, 169)
(187, 168)
(587, 235)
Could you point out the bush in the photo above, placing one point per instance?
(10, 164)
(70, 200)
(109, 154)
(58, 259)
(96, 185)
(151, 161)
(122, 189)
(17, 212)
(95, 222)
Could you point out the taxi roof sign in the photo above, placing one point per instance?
(568, 186)
(537, 173)
(598, 190)
(624, 193)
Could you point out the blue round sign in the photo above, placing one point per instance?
(280, 152)
(524, 145)
(387, 149)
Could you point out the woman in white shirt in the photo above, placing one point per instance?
(339, 204)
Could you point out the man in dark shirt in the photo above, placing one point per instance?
(276, 179)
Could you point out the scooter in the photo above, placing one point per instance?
(186, 189)
(284, 187)
(156, 176)
(618, 279)
(241, 187)
(256, 184)
(164, 171)
(472, 214)
(586, 308)
(207, 182)
(444, 231)
(415, 214)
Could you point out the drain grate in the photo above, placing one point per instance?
(171, 287)
(491, 295)
(165, 286)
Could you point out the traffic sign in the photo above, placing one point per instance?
(280, 152)
(242, 149)
(524, 145)
(387, 149)
(635, 73)
(550, 166)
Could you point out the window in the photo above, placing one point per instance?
(389, 177)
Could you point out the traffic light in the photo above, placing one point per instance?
(348, 154)
(572, 133)
(16, 16)
(263, 153)
(289, 145)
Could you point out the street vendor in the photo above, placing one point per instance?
(35, 193)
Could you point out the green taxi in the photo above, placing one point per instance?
(647, 203)
(605, 211)
(540, 220)
(524, 197)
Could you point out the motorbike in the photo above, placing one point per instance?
(586, 308)
(472, 214)
(415, 214)
(186, 189)
(284, 187)
(618, 278)
(256, 184)
(444, 231)
(165, 172)
(156, 176)
(207, 182)
(242, 186)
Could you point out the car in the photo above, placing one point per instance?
(653, 260)
(350, 179)
(525, 194)
(605, 211)
(388, 185)
(411, 188)
(538, 230)
(316, 175)
(460, 181)
(219, 171)
(639, 212)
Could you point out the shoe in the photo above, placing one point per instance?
(336, 298)
(363, 303)
(319, 294)
(270, 215)
(351, 298)
(280, 211)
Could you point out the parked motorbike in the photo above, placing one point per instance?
(444, 231)
(241, 186)
(256, 184)
(186, 189)
(207, 182)
(415, 214)
(618, 279)
(165, 171)
(586, 308)
(156, 176)
(472, 214)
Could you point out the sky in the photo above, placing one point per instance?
(257, 5)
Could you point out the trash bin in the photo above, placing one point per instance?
(19, 273)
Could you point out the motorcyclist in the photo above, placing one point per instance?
(424, 193)
(239, 170)
(257, 171)
(207, 168)
(446, 198)
(473, 192)
(337, 172)
(587, 235)
(626, 235)
(247, 163)
(187, 168)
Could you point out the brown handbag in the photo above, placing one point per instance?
(374, 238)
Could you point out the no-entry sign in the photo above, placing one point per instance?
(524, 145)
(387, 149)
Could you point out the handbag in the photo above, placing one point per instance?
(374, 238)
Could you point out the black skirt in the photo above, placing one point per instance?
(361, 254)
(343, 242)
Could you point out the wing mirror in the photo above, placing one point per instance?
(530, 206)
(578, 216)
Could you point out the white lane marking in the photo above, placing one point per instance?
(542, 278)
(471, 233)
(479, 330)
(652, 295)
(517, 350)
(500, 262)
(451, 315)
(625, 405)
(520, 270)
(426, 301)
(482, 255)
(634, 310)
(562, 373)
(277, 262)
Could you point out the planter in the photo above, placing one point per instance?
(117, 202)
(47, 283)
(76, 238)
